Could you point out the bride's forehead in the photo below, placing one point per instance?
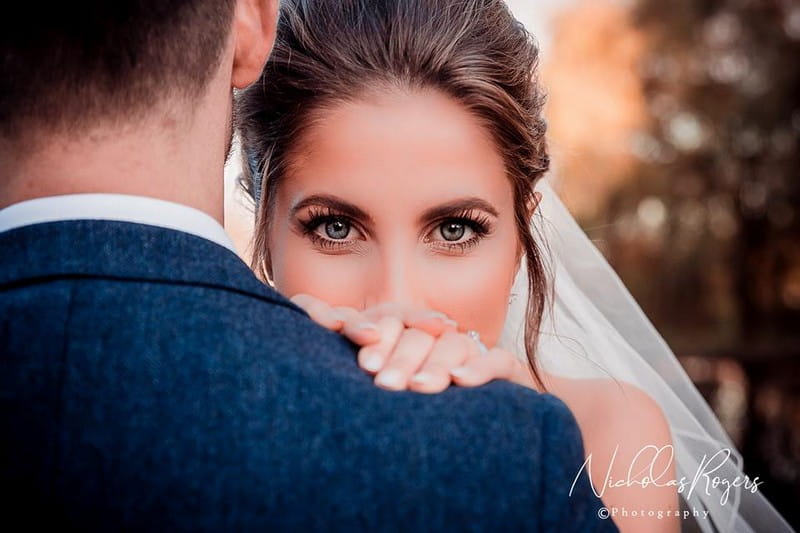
(424, 125)
(401, 183)
(406, 143)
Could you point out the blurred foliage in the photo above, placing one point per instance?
(712, 208)
(675, 130)
(705, 229)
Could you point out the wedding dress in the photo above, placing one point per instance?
(595, 329)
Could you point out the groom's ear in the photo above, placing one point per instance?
(254, 27)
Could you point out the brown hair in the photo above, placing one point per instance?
(68, 64)
(330, 51)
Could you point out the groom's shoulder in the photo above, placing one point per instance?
(532, 415)
(120, 281)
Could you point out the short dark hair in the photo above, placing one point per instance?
(331, 51)
(68, 64)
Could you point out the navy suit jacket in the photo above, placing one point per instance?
(150, 382)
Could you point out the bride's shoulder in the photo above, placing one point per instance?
(624, 429)
(607, 408)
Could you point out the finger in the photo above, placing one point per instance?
(381, 310)
(411, 350)
(497, 364)
(349, 313)
(373, 357)
(432, 322)
(319, 311)
(357, 327)
(449, 351)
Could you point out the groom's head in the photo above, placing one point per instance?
(67, 66)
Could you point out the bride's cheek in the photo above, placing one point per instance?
(475, 294)
(334, 279)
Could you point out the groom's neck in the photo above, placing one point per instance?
(175, 154)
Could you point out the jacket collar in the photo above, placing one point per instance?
(118, 207)
(124, 251)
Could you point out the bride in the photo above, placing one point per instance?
(397, 170)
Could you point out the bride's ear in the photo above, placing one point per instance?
(254, 29)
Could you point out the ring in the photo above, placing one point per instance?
(474, 335)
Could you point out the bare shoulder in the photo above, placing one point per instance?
(624, 432)
(608, 409)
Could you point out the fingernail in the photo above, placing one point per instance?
(422, 378)
(460, 372)
(366, 326)
(435, 314)
(391, 379)
(430, 315)
(373, 362)
(338, 316)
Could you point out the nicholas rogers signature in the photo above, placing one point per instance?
(646, 475)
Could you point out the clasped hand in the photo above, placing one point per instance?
(415, 349)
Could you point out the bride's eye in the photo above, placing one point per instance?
(330, 231)
(336, 229)
(454, 231)
(458, 234)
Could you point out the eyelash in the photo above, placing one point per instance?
(315, 218)
(479, 224)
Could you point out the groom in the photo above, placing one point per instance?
(149, 380)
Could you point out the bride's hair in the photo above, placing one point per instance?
(331, 51)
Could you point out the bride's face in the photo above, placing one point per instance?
(400, 198)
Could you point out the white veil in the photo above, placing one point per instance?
(595, 329)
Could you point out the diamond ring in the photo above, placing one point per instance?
(474, 335)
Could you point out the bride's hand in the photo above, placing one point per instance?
(415, 349)
(361, 327)
(420, 362)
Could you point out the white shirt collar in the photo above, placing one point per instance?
(116, 207)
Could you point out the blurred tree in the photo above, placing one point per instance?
(714, 207)
(594, 101)
(718, 186)
(675, 129)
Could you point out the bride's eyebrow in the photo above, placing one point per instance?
(334, 204)
(457, 207)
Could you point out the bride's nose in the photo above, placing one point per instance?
(395, 281)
